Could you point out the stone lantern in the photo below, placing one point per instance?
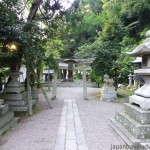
(142, 95)
(133, 124)
(14, 93)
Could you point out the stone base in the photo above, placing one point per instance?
(22, 108)
(137, 113)
(127, 137)
(4, 119)
(16, 103)
(110, 97)
(138, 130)
(133, 125)
(7, 119)
(14, 96)
(13, 89)
(108, 93)
(144, 103)
(19, 108)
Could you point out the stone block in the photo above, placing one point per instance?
(143, 102)
(108, 93)
(4, 119)
(16, 102)
(126, 135)
(4, 109)
(18, 108)
(138, 130)
(137, 113)
(12, 96)
(13, 89)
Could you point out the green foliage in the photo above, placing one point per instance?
(96, 78)
(121, 26)
(101, 29)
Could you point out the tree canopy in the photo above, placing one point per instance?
(55, 29)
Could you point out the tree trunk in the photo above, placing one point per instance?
(33, 9)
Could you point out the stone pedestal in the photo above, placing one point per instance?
(133, 125)
(108, 93)
(14, 94)
(7, 119)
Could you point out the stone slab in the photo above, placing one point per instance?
(13, 89)
(136, 129)
(9, 125)
(137, 113)
(4, 109)
(6, 118)
(11, 96)
(144, 103)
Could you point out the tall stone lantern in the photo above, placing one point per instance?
(14, 92)
(133, 124)
(142, 95)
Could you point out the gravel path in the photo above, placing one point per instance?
(39, 131)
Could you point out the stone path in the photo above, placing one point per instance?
(70, 134)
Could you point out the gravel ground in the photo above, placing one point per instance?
(39, 131)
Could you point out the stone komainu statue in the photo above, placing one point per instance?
(108, 81)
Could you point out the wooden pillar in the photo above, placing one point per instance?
(84, 83)
(55, 85)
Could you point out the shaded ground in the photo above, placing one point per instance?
(39, 131)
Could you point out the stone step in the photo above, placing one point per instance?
(127, 137)
(137, 113)
(9, 125)
(135, 128)
(4, 119)
(4, 109)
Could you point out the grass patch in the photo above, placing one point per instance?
(98, 95)
(124, 93)
(36, 109)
